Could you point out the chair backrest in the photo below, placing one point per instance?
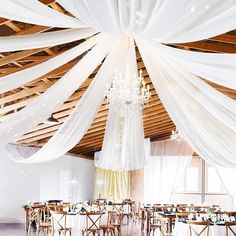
(44, 215)
(93, 220)
(115, 217)
(228, 226)
(32, 214)
(59, 220)
(118, 207)
(203, 227)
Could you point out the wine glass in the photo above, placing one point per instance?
(213, 218)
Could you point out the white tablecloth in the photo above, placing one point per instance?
(182, 229)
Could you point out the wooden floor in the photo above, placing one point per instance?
(18, 230)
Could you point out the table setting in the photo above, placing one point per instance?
(216, 221)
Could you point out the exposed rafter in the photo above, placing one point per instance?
(157, 123)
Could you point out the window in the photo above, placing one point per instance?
(201, 184)
(213, 183)
(191, 181)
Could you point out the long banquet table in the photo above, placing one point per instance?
(182, 229)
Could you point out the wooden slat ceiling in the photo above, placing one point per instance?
(157, 123)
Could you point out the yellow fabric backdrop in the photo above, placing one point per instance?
(112, 185)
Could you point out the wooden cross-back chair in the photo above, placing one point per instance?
(93, 222)
(116, 219)
(128, 209)
(154, 222)
(204, 229)
(60, 223)
(108, 227)
(32, 215)
(118, 207)
(44, 221)
(228, 226)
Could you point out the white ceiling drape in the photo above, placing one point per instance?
(35, 12)
(17, 152)
(208, 124)
(83, 114)
(210, 66)
(47, 39)
(41, 108)
(27, 75)
(162, 21)
(123, 143)
(126, 164)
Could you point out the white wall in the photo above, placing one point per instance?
(20, 183)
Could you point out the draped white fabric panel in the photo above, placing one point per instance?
(21, 77)
(227, 177)
(205, 120)
(41, 108)
(219, 68)
(18, 151)
(190, 20)
(204, 116)
(82, 116)
(146, 147)
(165, 168)
(34, 12)
(123, 144)
(163, 21)
(31, 41)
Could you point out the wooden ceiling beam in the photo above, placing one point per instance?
(89, 150)
(208, 46)
(99, 119)
(18, 55)
(225, 38)
(100, 122)
(93, 131)
(99, 138)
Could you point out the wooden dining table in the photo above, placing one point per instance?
(171, 217)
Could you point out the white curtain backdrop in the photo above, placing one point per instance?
(34, 12)
(165, 167)
(204, 116)
(228, 177)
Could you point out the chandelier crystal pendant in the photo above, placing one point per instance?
(128, 92)
(176, 136)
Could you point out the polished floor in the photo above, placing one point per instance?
(18, 230)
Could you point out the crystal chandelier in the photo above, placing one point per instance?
(128, 92)
(176, 136)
